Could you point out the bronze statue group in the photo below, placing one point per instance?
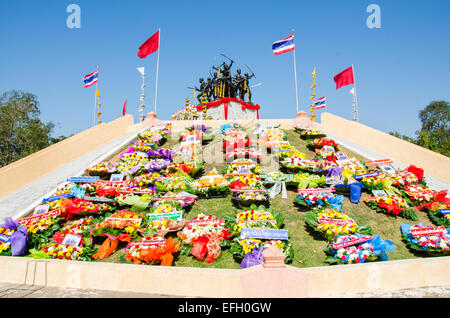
(223, 84)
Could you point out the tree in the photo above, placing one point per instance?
(21, 131)
(435, 131)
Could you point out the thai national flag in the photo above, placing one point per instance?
(320, 103)
(283, 46)
(91, 79)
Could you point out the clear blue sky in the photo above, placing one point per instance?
(399, 68)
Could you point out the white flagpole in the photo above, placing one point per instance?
(95, 101)
(95, 97)
(295, 73)
(355, 108)
(157, 68)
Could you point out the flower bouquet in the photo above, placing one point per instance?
(191, 135)
(132, 163)
(189, 167)
(200, 127)
(243, 166)
(294, 164)
(77, 206)
(254, 217)
(320, 142)
(148, 179)
(311, 134)
(391, 204)
(403, 178)
(152, 250)
(252, 181)
(272, 137)
(186, 113)
(175, 182)
(156, 165)
(230, 127)
(434, 241)
(439, 209)
(231, 143)
(111, 189)
(187, 151)
(379, 181)
(5, 241)
(306, 180)
(165, 216)
(247, 196)
(257, 218)
(285, 150)
(352, 167)
(241, 153)
(63, 252)
(331, 223)
(418, 194)
(358, 248)
(123, 225)
(318, 196)
(143, 146)
(156, 135)
(79, 228)
(234, 133)
(211, 185)
(240, 248)
(120, 222)
(135, 202)
(160, 153)
(41, 227)
(326, 154)
(204, 236)
(102, 169)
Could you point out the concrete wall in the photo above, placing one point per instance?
(30, 168)
(394, 148)
(253, 282)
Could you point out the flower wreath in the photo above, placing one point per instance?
(152, 250)
(205, 234)
(392, 205)
(331, 223)
(434, 241)
(358, 248)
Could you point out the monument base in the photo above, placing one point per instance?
(230, 109)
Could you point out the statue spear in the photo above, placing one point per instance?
(250, 70)
(226, 57)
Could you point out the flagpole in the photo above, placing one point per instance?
(295, 73)
(355, 107)
(157, 67)
(95, 101)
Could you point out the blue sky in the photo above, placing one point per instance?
(399, 68)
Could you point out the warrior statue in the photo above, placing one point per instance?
(201, 90)
(226, 76)
(238, 85)
(209, 89)
(215, 86)
(247, 85)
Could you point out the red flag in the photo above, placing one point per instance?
(124, 110)
(149, 46)
(344, 78)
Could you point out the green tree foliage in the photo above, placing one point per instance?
(21, 131)
(435, 131)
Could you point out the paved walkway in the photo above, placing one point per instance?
(28, 291)
(18, 203)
